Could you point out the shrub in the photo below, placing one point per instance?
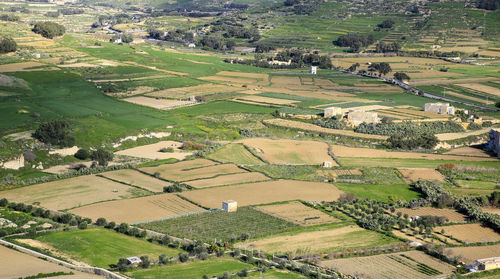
(55, 132)
(145, 261)
(82, 225)
(4, 202)
(183, 257)
(49, 29)
(101, 156)
(29, 155)
(330, 123)
(172, 188)
(188, 145)
(122, 228)
(163, 259)
(82, 154)
(101, 222)
(447, 167)
(110, 225)
(474, 126)
(243, 273)
(426, 141)
(7, 45)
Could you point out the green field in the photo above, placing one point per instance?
(102, 247)
(410, 163)
(210, 267)
(221, 225)
(235, 153)
(380, 193)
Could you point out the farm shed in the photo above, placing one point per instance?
(313, 70)
(439, 108)
(331, 112)
(357, 117)
(488, 263)
(134, 261)
(230, 206)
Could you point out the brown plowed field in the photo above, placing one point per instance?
(473, 253)
(152, 151)
(139, 209)
(471, 233)
(136, 178)
(230, 179)
(264, 192)
(412, 175)
(298, 213)
(166, 172)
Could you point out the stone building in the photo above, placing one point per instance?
(331, 112)
(357, 117)
(439, 108)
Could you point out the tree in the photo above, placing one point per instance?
(382, 68)
(29, 155)
(82, 225)
(101, 222)
(163, 259)
(7, 45)
(122, 264)
(102, 157)
(387, 24)
(401, 76)
(82, 154)
(55, 132)
(353, 67)
(145, 262)
(183, 257)
(49, 29)
(122, 228)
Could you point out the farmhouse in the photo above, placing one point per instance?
(357, 117)
(439, 108)
(494, 143)
(313, 70)
(488, 263)
(134, 261)
(331, 112)
(230, 206)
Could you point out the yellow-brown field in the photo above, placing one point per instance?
(453, 136)
(264, 192)
(138, 179)
(198, 90)
(229, 179)
(482, 88)
(470, 233)
(70, 193)
(390, 266)
(298, 213)
(290, 151)
(412, 175)
(452, 215)
(266, 100)
(139, 209)
(473, 253)
(174, 174)
(24, 67)
(158, 103)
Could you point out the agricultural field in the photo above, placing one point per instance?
(194, 173)
(413, 175)
(157, 151)
(412, 264)
(222, 226)
(22, 265)
(470, 233)
(229, 179)
(289, 151)
(138, 179)
(139, 209)
(264, 192)
(380, 192)
(322, 239)
(298, 213)
(73, 192)
(102, 247)
(235, 153)
(472, 253)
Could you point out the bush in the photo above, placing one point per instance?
(102, 156)
(4, 202)
(110, 225)
(145, 262)
(82, 225)
(55, 132)
(29, 156)
(354, 40)
(49, 29)
(330, 123)
(82, 154)
(183, 257)
(425, 141)
(172, 188)
(474, 126)
(163, 259)
(101, 222)
(7, 45)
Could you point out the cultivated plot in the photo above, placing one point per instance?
(170, 172)
(470, 233)
(298, 213)
(157, 151)
(411, 265)
(159, 103)
(235, 153)
(229, 179)
(412, 175)
(138, 179)
(264, 192)
(472, 253)
(290, 151)
(139, 209)
(70, 193)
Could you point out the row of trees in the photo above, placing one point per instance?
(49, 29)
(383, 47)
(355, 41)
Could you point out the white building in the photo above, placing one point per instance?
(439, 108)
(313, 70)
(357, 117)
(191, 45)
(134, 261)
(331, 112)
(230, 206)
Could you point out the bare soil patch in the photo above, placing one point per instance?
(473, 253)
(481, 87)
(453, 136)
(412, 175)
(470, 233)
(452, 215)
(158, 103)
(198, 90)
(290, 151)
(390, 266)
(264, 192)
(69, 193)
(244, 75)
(469, 151)
(152, 151)
(139, 209)
(344, 151)
(230, 179)
(197, 173)
(298, 213)
(138, 179)
(493, 210)
(267, 100)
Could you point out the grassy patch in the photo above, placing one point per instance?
(298, 172)
(101, 247)
(222, 225)
(379, 192)
(235, 153)
(409, 163)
